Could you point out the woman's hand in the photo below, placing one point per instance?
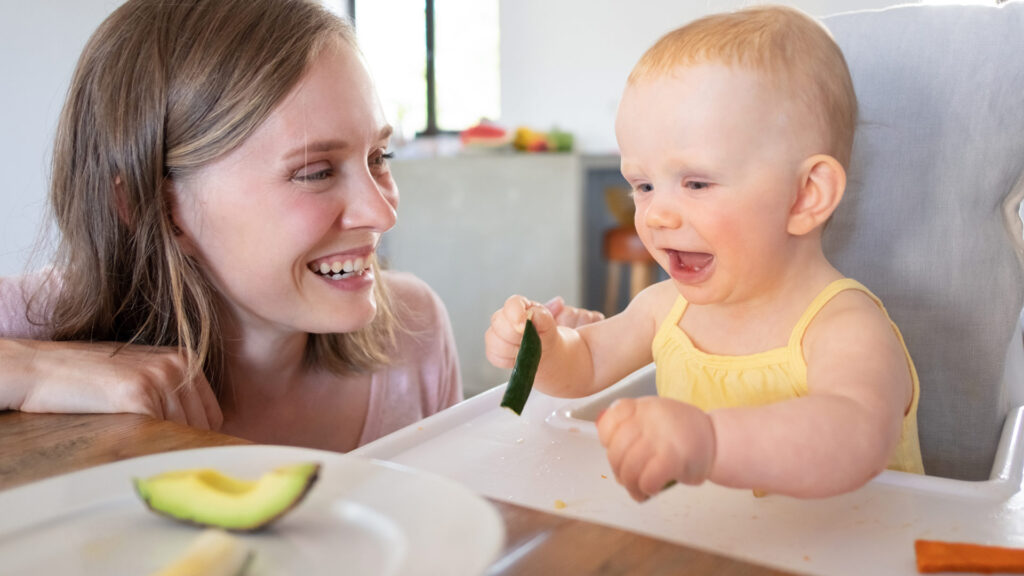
(652, 442)
(105, 378)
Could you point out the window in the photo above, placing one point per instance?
(463, 85)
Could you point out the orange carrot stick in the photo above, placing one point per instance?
(936, 556)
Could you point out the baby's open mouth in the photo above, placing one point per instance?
(692, 261)
(341, 269)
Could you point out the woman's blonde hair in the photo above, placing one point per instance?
(793, 51)
(162, 89)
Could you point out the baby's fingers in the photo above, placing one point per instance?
(518, 309)
(609, 421)
(508, 322)
(656, 475)
(571, 316)
(499, 351)
(634, 467)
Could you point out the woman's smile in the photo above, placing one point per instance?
(345, 271)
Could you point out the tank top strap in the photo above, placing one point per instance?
(823, 297)
(677, 311)
(667, 326)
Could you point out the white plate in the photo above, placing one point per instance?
(362, 517)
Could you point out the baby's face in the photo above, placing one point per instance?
(713, 156)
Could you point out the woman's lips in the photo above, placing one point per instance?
(345, 269)
(342, 264)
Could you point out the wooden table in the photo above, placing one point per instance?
(36, 446)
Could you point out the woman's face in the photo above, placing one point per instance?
(286, 225)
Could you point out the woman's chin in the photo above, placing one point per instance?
(351, 319)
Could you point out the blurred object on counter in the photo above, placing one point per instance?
(529, 140)
(485, 135)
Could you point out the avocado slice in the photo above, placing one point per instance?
(207, 497)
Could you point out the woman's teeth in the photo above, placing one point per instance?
(346, 269)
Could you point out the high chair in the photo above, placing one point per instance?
(930, 220)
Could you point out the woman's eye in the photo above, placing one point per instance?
(313, 173)
(381, 159)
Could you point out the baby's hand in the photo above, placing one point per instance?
(653, 441)
(571, 316)
(507, 325)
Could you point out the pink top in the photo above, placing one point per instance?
(422, 379)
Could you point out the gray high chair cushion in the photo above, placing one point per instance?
(930, 217)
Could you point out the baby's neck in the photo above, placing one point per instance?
(759, 323)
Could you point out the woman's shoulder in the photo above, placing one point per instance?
(415, 304)
(407, 285)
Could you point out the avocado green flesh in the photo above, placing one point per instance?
(208, 498)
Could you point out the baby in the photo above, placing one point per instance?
(774, 371)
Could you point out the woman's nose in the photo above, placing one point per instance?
(372, 204)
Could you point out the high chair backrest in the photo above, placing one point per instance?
(930, 220)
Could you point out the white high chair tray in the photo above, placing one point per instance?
(551, 453)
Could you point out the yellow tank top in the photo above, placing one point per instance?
(711, 381)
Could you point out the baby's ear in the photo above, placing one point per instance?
(822, 181)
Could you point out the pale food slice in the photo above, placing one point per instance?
(213, 553)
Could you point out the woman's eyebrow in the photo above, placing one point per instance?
(315, 146)
(330, 145)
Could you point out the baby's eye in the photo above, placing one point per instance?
(642, 188)
(696, 185)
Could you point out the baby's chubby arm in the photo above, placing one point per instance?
(832, 441)
(842, 433)
(578, 361)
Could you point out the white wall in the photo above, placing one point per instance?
(39, 44)
(563, 61)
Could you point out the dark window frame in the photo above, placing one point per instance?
(431, 128)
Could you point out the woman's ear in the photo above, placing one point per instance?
(821, 186)
(174, 217)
